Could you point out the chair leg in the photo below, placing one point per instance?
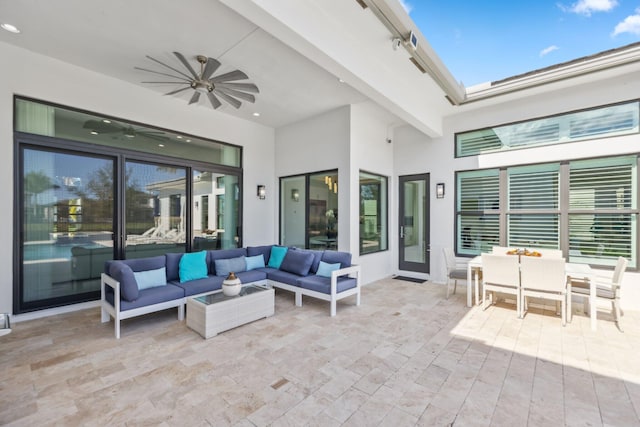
(563, 309)
(455, 285)
(615, 306)
(448, 282)
(484, 299)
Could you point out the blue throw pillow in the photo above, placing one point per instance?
(193, 266)
(254, 262)
(151, 278)
(226, 266)
(325, 269)
(277, 255)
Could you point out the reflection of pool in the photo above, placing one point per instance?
(42, 251)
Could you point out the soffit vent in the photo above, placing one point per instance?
(417, 64)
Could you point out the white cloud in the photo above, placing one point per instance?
(548, 50)
(406, 5)
(587, 7)
(631, 24)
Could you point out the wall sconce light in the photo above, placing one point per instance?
(295, 195)
(262, 192)
(440, 190)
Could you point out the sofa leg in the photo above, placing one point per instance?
(181, 312)
(105, 315)
(358, 299)
(117, 324)
(298, 299)
(333, 307)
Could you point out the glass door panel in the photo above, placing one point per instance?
(215, 211)
(155, 211)
(66, 226)
(414, 223)
(292, 211)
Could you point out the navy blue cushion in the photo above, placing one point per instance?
(332, 257)
(144, 264)
(297, 262)
(224, 254)
(265, 251)
(251, 276)
(173, 266)
(121, 272)
(323, 284)
(317, 257)
(199, 286)
(282, 276)
(151, 296)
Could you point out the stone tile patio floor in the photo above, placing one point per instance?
(405, 357)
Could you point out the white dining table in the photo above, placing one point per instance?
(574, 271)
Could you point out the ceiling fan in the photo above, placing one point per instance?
(216, 88)
(97, 127)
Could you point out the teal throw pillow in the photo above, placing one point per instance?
(151, 278)
(325, 269)
(254, 262)
(277, 255)
(193, 266)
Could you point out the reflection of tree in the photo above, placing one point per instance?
(36, 183)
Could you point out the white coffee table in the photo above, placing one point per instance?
(214, 312)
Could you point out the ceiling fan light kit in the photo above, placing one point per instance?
(216, 88)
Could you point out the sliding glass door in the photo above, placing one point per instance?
(66, 225)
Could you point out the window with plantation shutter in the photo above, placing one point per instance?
(610, 120)
(533, 213)
(602, 210)
(586, 208)
(478, 211)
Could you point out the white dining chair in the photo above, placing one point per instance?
(543, 277)
(500, 273)
(455, 270)
(607, 288)
(548, 253)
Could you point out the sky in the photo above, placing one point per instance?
(484, 41)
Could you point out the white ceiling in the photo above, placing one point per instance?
(113, 37)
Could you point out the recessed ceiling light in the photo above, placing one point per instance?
(160, 145)
(94, 132)
(256, 114)
(179, 136)
(188, 140)
(10, 28)
(340, 80)
(106, 121)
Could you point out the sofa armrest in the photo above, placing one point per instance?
(106, 280)
(351, 270)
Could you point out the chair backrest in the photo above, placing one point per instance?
(621, 266)
(449, 259)
(543, 274)
(500, 270)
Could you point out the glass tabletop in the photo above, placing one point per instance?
(218, 296)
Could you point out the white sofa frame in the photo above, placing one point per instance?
(108, 310)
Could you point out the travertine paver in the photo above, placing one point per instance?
(407, 356)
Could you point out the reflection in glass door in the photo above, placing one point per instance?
(66, 226)
(155, 211)
(414, 223)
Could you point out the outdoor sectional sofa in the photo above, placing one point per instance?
(134, 287)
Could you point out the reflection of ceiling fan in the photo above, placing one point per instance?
(108, 127)
(220, 86)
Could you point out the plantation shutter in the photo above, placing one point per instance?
(478, 211)
(533, 212)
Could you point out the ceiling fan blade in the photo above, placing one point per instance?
(186, 64)
(245, 87)
(164, 74)
(231, 75)
(210, 68)
(195, 98)
(215, 103)
(177, 90)
(168, 66)
(234, 102)
(237, 94)
(169, 83)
